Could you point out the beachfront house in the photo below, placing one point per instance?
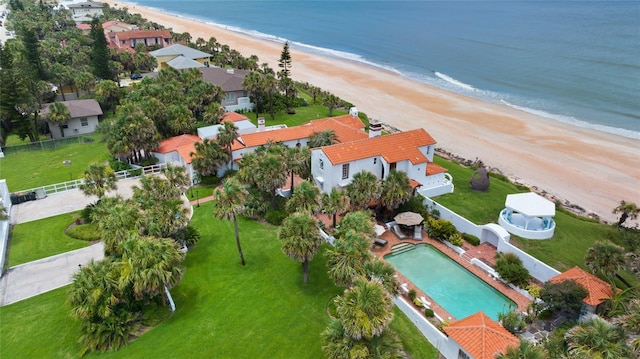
(177, 151)
(108, 27)
(411, 152)
(84, 118)
(127, 40)
(85, 11)
(231, 81)
(179, 56)
(242, 123)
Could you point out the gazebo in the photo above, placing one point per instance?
(528, 215)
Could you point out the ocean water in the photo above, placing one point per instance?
(573, 61)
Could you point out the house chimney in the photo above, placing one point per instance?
(375, 128)
(230, 71)
(353, 111)
(261, 122)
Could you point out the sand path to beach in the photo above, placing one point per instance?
(589, 168)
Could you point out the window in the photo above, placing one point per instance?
(392, 166)
(230, 97)
(462, 355)
(375, 160)
(321, 164)
(345, 171)
(84, 121)
(65, 126)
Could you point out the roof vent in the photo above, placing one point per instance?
(353, 111)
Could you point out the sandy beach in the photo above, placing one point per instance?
(591, 169)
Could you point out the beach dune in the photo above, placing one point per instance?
(591, 169)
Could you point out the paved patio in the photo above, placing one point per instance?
(485, 252)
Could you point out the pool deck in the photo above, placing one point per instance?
(484, 252)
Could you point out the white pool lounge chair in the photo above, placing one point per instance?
(417, 233)
(398, 232)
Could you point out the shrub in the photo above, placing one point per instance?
(417, 302)
(510, 268)
(534, 290)
(456, 239)
(412, 294)
(440, 228)
(84, 232)
(275, 217)
(414, 204)
(471, 239)
(209, 180)
(149, 161)
(512, 322)
(188, 235)
(86, 212)
(135, 172)
(565, 296)
(118, 166)
(428, 312)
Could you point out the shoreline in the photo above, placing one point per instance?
(589, 168)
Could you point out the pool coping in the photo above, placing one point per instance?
(520, 300)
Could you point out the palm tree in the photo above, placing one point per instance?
(363, 189)
(230, 200)
(107, 93)
(628, 210)
(306, 197)
(360, 222)
(116, 219)
(365, 309)
(396, 190)
(298, 162)
(58, 114)
(335, 202)
(209, 156)
(149, 265)
(525, 350)
(630, 321)
(98, 179)
(322, 138)
(331, 101)
(300, 239)
(348, 258)
(177, 177)
(595, 338)
(384, 273)
(227, 136)
(605, 257)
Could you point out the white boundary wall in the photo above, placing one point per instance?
(5, 225)
(539, 270)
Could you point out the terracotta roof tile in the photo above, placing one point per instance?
(433, 169)
(143, 34)
(233, 117)
(480, 336)
(393, 148)
(599, 290)
(183, 144)
(346, 128)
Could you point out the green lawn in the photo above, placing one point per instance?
(224, 310)
(573, 236)
(27, 170)
(42, 238)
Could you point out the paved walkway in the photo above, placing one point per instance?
(37, 277)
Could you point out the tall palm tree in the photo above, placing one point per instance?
(107, 93)
(177, 177)
(365, 309)
(149, 265)
(227, 136)
(98, 179)
(630, 321)
(525, 350)
(595, 338)
(59, 114)
(306, 197)
(627, 210)
(396, 190)
(335, 202)
(348, 258)
(209, 156)
(300, 239)
(230, 200)
(116, 219)
(605, 257)
(363, 189)
(298, 162)
(360, 222)
(384, 273)
(322, 138)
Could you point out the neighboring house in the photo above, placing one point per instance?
(411, 152)
(242, 122)
(127, 40)
(177, 151)
(84, 118)
(108, 27)
(231, 81)
(479, 337)
(179, 54)
(85, 11)
(599, 290)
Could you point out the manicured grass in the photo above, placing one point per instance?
(224, 310)
(28, 170)
(573, 236)
(42, 238)
(303, 115)
(417, 345)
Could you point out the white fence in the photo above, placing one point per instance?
(539, 270)
(4, 223)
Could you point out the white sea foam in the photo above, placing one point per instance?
(454, 81)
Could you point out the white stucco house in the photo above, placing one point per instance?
(242, 123)
(85, 11)
(84, 118)
(411, 152)
(177, 151)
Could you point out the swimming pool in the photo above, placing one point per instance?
(453, 287)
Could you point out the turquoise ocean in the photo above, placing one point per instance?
(573, 61)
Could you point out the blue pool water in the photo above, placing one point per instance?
(454, 288)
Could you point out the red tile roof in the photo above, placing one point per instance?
(480, 336)
(183, 144)
(143, 34)
(346, 127)
(393, 148)
(433, 169)
(233, 117)
(599, 290)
